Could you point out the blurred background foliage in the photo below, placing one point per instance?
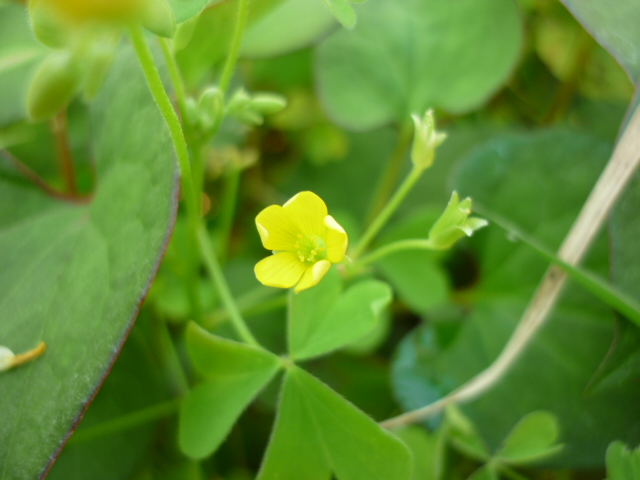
(532, 106)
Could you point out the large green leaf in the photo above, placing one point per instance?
(405, 56)
(329, 434)
(614, 25)
(292, 25)
(236, 372)
(539, 182)
(20, 54)
(323, 319)
(73, 275)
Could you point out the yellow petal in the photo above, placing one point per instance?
(307, 211)
(277, 230)
(313, 275)
(336, 240)
(282, 270)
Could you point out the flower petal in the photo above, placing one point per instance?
(282, 270)
(277, 230)
(336, 240)
(313, 275)
(307, 211)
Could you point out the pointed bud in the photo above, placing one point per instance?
(53, 86)
(157, 17)
(239, 101)
(425, 140)
(210, 107)
(268, 103)
(454, 223)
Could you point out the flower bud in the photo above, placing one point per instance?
(425, 140)
(157, 17)
(52, 86)
(239, 101)
(210, 107)
(268, 103)
(454, 223)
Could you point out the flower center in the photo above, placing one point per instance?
(310, 249)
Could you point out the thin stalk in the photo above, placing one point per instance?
(174, 73)
(608, 188)
(65, 156)
(198, 231)
(390, 174)
(248, 307)
(228, 204)
(173, 123)
(170, 358)
(213, 266)
(126, 422)
(238, 32)
(400, 245)
(388, 210)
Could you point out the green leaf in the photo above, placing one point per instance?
(462, 434)
(133, 385)
(237, 372)
(613, 25)
(290, 26)
(329, 434)
(533, 438)
(73, 275)
(535, 181)
(185, 9)
(428, 451)
(622, 463)
(486, 472)
(343, 11)
(322, 320)
(404, 57)
(20, 54)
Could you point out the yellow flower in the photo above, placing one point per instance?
(305, 241)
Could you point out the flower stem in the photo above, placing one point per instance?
(228, 210)
(173, 123)
(384, 215)
(213, 266)
(400, 245)
(391, 172)
(174, 73)
(236, 41)
(126, 422)
(198, 231)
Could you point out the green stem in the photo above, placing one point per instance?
(252, 303)
(387, 211)
(228, 204)
(173, 123)
(602, 290)
(400, 245)
(213, 266)
(390, 174)
(171, 359)
(174, 73)
(126, 422)
(236, 41)
(198, 231)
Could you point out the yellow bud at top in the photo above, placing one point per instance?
(89, 10)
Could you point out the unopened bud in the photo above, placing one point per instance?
(52, 86)
(210, 107)
(157, 17)
(454, 223)
(268, 103)
(239, 101)
(425, 140)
